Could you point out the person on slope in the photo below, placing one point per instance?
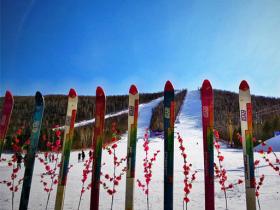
(83, 155)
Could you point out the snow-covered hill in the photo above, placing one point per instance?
(274, 142)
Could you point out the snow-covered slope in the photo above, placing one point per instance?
(144, 109)
(274, 142)
(145, 115)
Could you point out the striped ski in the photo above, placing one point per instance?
(34, 140)
(245, 107)
(67, 145)
(207, 101)
(168, 119)
(131, 145)
(5, 118)
(100, 105)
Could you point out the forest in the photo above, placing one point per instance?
(266, 115)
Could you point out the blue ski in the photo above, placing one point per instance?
(34, 139)
(168, 120)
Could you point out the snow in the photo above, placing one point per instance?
(274, 142)
(145, 114)
(145, 109)
(189, 127)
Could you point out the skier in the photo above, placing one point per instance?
(79, 157)
(83, 155)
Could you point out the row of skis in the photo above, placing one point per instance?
(207, 101)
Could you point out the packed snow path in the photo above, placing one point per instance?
(189, 127)
(144, 109)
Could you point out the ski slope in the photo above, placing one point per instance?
(144, 109)
(274, 142)
(189, 127)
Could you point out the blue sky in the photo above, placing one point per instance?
(52, 46)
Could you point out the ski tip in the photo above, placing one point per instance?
(168, 86)
(99, 91)
(9, 95)
(243, 85)
(133, 90)
(206, 85)
(39, 98)
(72, 93)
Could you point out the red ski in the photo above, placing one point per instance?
(98, 136)
(207, 101)
(5, 118)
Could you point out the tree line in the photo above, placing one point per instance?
(226, 109)
(226, 112)
(55, 112)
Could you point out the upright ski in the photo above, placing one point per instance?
(34, 140)
(245, 107)
(5, 118)
(168, 120)
(207, 101)
(67, 145)
(100, 105)
(131, 145)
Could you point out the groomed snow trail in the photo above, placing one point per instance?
(145, 109)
